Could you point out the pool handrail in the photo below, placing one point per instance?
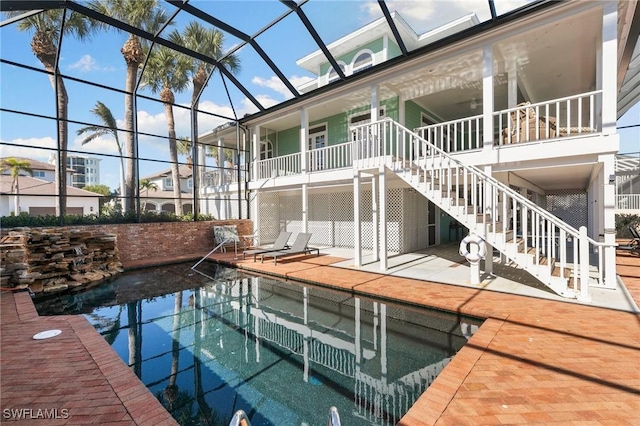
(240, 419)
(334, 417)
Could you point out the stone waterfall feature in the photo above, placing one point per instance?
(50, 260)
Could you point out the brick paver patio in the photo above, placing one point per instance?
(533, 361)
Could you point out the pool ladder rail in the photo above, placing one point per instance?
(240, 418)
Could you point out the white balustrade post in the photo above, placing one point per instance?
(304, 140)
(357, 225)
(382, 219)
(584, 266)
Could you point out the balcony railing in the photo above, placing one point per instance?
(628, 202)
(330, 157)
(568, 116)
(279, 166)
(458, 135)
(563, 117)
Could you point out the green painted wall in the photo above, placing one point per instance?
(288, 140)
(412, 114)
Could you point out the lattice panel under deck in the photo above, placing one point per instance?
(569, 205)
(319, 221)
(268, 215)
(341, 215)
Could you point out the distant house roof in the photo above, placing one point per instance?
(35, 186)
(35, 164)
(184, 171)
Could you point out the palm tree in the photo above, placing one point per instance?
(46, 27)
(146, 185)
(166, 73)
(146, 15)
(109, 127)
(16, 166)
(209, 42)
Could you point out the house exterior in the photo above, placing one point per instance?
(162, 199)
(507, 129)
(37, 193)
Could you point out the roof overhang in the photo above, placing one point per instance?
(628, 55)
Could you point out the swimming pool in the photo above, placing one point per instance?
(210, 343)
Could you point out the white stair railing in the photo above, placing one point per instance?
(549, 248)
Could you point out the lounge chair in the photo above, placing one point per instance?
(632, 246)
(227, 236)
(279, 244)
(299, 246)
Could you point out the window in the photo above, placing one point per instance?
(333, 75)
(317, 137)
(365, 117)
(317, 140)
(190, 183)
(167, 183)
(38, 174)
(266, 149)
(362, 61)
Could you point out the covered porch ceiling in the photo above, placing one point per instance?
(552, 61)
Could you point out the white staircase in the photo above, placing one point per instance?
(561, 257)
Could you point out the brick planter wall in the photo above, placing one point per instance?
(136, 241)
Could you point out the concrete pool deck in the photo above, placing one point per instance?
(533, 361)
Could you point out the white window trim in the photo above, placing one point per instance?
(324, 132)
(345, 70)
(357, 55)
(268, 149)
(382, 112)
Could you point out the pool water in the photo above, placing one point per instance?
(210, 343)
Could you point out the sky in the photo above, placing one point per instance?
(99, 60)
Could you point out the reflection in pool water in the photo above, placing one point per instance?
(209, 344)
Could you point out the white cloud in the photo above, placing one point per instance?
(33, 148)
(275, 84)
(423, 15)
(100, 145)
(85, 64)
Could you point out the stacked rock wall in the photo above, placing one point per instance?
(56, 259)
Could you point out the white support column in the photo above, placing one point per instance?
(487, 97)
(374, 218)
(609, 219)
(305, 208)
(512, 85)
(609, 66)
(304, 139)
(383, 218)
(375, 102)
(221, 172)
(492, 209)
(357, 224)
(256, 151)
